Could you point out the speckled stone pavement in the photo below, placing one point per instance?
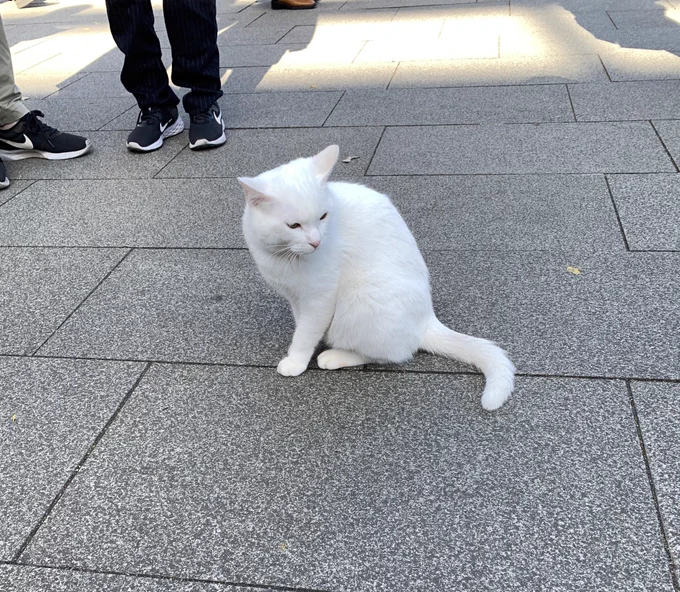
(147, 443)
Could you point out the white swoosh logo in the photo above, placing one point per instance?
(217, 119)
(164, 126)
(27, 144)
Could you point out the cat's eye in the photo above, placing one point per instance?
(294, 226)
(322, 217)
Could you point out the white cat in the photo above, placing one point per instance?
(350, 268)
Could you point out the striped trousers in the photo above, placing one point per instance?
(192, 32)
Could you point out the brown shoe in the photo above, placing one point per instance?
(293, 4)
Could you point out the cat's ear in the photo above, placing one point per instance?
(324, 161)
(254, 194)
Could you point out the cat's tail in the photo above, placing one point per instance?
(485, 355)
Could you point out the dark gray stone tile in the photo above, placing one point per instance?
(82, 114)
(39, 84)
(14, 189)
(649, 208)
(250, 152)
(93, 85)
(52, 410)
(592, 5)
(515, 212)
(626, 100)
(109, 159)
(41, 287)
(498, 72)
(22, 578)
(136, 213)
(619, 318)
(670, 134)
(658, 406)
(241, 475)
(513, 104)
(545, 148)
(645, 19)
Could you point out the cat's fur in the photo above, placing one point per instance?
(355, 276)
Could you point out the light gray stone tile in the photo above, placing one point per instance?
(514, 212)
(641, 64)
(670, 134)
(426, 30)
(649, 208)
(109, 159)
(297, 53)
(135, 213)
(241, 475)
(308, 78)
(658, 407)
(250, 152)
(618, 318)
(39, 84)
(15, 188)
(93, 85)
(591, 5)
(515, 104)
(79, 115)
(41, 287)
(644, 19)
(331, 15)
(626, 100)
(482, 46)
(22, 578)
(498, 72)
(51, 412)
(546, 148)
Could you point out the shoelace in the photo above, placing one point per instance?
(202, 117)
(34, 125)
(151, 116)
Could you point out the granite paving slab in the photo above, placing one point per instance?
(41, 287)
(51, 411)
(80, 115)
(295, 53)
(626, 100)
(39, 85)
(14, 189)
(22, 578)
(627, 147)
(515, 104)
(483, 45)
(592, 5)
(92, 85)
(641, 64)
(658, 407)
(138, 213)
(310, 77)
(670, 134)
(649, 208)
(334, 16)
(296, 483)
(618, 318)
(109, 159)
(360, 31)
(513, 212)
(642, 19)
(251, 152)
(502, 71)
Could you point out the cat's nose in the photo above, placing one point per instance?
(315, 243)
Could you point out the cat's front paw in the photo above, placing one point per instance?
(291, 367)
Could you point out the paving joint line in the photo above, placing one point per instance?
(655, 497)
(611, 19)
(365, 368)
(342, 94)
(123, 258)
(616, 211)
(658, 135)
(80, 465)
(277, 588)
(375, 151)
(571, 102)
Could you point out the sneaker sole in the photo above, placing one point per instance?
(171, 130)
(22, 154)
(4, 184)
(204, 144)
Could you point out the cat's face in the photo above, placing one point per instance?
(288, 208)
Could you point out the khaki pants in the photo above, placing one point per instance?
(12, 107)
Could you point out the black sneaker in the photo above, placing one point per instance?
(31, 138)
(154, 124)
(4, 181)
(207, 129)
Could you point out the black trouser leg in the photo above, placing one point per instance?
(143, 74)
(192, 30)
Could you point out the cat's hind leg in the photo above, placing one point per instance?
(332, 359)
